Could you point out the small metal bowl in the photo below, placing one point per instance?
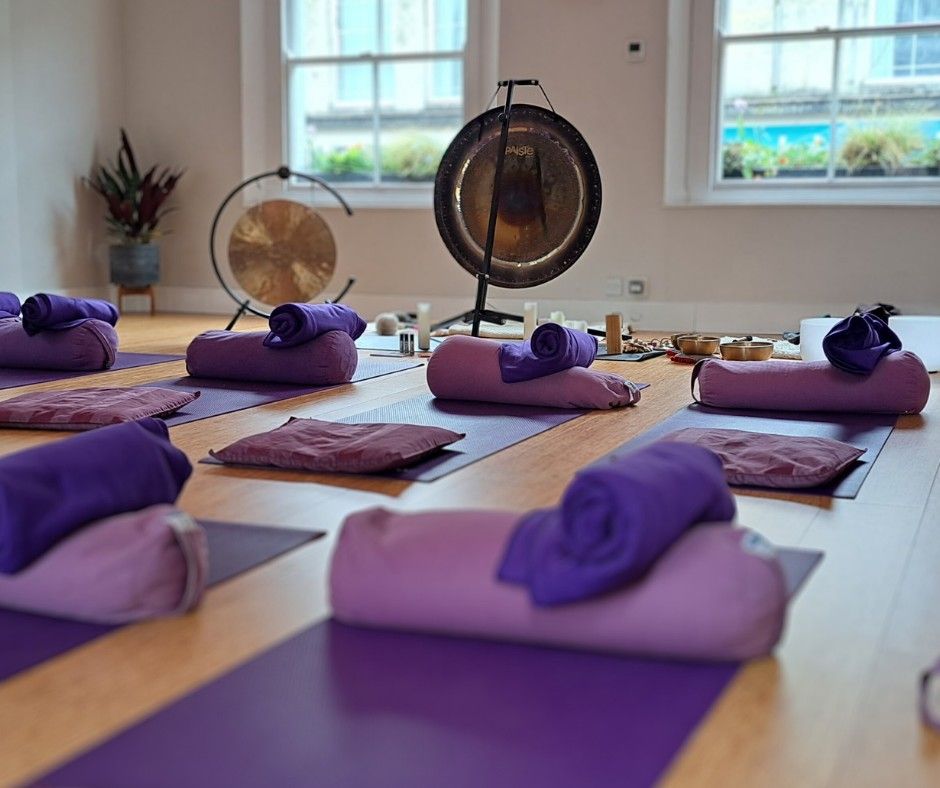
(697, 345)
(675, 337)
(747, 351)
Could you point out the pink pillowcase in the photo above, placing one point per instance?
(769, 460)
(133, 566)
(91, 345)
(899, 384)
(718, 594)
(468, 368)
(86, 409)
(312, 445)
(329, 359)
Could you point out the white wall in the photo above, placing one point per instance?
(61, 100)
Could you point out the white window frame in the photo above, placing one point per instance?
(692, 152)
(265, 111)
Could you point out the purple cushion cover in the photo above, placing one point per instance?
(468, 368)
(86, 409)
(716, 594)
(615, 520)
(769, 460)
(88, 346)
(9, 305)
(46, 312)
(295, 324)
(49, 491)
(899, 384)
(128, 567)
(859, 342)
(313, 445)
(551, 349)
(329, 359)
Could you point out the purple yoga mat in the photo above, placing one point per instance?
(27, 639)
(867, 431)
(227, 396)
(345, 707)
(10, 378)
(631, 356)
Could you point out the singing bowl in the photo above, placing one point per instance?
(697, 345)
(747, 351)
(549, 196)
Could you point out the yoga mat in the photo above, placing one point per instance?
(227, 396)
(867, 431)
(10, 378)
(631, 356)
(345, 707)
(27, 639)
(388, 343)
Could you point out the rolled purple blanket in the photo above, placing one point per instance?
(859, 342)
(296, 324)
(132, 566)
(9, 305)
(717, 594)
(45, 312)
(615, 521)
(90, 345)
(49, 491)
(328, 360)
(552, 348)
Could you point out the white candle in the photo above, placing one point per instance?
(424, 326)
(558, 317)
(531, 318)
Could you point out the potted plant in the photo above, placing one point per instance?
(412, 157)
(350, 163)
(135, 205)
(877, 150)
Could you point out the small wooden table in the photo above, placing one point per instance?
(126, 290)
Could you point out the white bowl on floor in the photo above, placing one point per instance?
(921, 335)
(812, 332)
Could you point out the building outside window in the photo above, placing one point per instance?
(374, 88)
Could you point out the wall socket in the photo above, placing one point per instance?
(638, 287)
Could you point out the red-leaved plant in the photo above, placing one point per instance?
(135, 202)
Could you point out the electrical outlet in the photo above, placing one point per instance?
(638, 287)
(613, 286)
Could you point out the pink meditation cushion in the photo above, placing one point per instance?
(329, 359)
(132, 566)
(898, 384)
(468, 368)
(90, 345)
(717, 594)
(86, 409)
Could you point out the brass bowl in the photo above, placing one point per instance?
(697, 345)
(747, 351)
(675, 337)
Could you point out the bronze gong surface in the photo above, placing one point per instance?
(549, 199)
(281, 251)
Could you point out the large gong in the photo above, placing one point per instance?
(549, 199)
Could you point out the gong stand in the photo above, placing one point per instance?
(283, 172)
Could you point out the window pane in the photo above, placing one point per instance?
(423, 25)
(774, 16)
(331, 135)
(889, 106)
(775, 106)
(325, 28)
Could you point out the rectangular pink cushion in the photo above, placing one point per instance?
(91, 345)
(768, 460)
(899, 384)
(468, 368)
(138, 565)
(86, 409)
(313, 445)
(329, 359)
(717, 594)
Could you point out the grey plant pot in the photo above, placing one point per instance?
(135, 265)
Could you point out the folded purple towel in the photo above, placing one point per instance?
(49, 491)
(614, 521)
(9, 305)
(45, 312)
(552, 348)
(859, 342)
(295, 324)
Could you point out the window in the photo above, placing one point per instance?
(375, 89)
(805, 101)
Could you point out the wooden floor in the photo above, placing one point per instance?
(835, 706)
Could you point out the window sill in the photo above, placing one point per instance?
(906, 193)
(366, 196)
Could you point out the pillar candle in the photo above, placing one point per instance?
(531, 319)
